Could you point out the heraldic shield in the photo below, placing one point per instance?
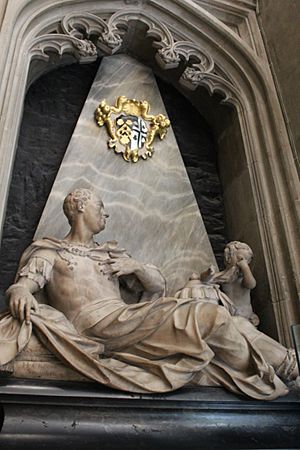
(133, 131)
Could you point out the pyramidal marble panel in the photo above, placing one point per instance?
(152, 208)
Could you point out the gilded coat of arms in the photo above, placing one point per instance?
(130, 127)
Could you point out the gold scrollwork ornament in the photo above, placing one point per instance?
(133, 131)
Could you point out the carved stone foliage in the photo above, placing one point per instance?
(84, 33)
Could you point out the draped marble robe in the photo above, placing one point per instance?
(155, 346)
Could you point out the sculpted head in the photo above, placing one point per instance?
(237, 250)
(85, 206)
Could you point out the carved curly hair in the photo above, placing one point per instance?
(233, 246)
(73, 201)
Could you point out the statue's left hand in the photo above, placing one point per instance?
(123, 266)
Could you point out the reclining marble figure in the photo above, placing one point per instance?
(156, 344)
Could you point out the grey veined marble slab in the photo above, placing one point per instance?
(153, 211)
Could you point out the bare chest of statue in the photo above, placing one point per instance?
(78, 278)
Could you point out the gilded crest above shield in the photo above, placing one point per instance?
(130, 127)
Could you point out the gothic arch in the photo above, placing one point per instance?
(211, 54)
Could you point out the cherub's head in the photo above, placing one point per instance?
(237, 250)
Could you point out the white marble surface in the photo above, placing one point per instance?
(153, 211)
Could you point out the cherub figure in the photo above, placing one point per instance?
(237, 279)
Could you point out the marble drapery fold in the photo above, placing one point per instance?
(147, 347)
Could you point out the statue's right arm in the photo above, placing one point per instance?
(32, 277)
(249, 281)
(20, 299)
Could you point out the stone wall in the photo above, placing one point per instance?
(240, 216)
(279, 22)
(51, 109)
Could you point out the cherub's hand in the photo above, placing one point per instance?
(208, 274)
(211, 270)
(242, 262)
(123, 266)
(20, 303)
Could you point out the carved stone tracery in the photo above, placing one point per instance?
(83, 49)
(76, 31)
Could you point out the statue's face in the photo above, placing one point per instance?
(94, 215)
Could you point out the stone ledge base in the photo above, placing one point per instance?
(68, 415)
(36, 362)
